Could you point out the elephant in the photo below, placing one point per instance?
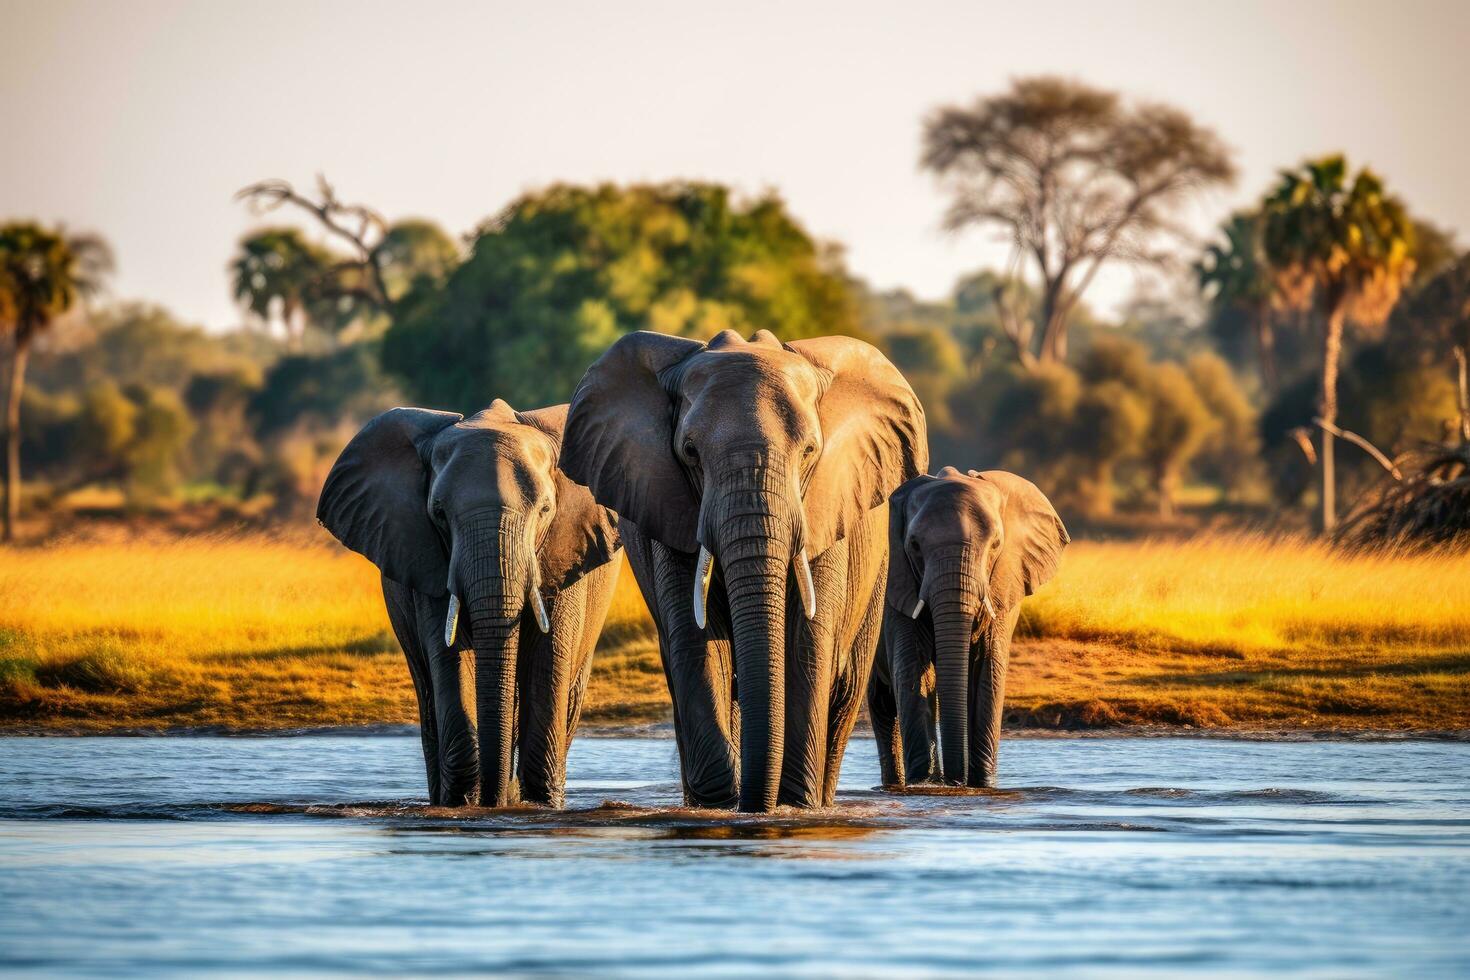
(473, 514)
(966, 548)
(739, 469)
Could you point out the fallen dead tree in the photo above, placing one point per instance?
(1425, 500)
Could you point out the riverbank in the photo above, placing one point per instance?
(1220, 633)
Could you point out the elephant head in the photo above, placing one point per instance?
(967, 548)
(475, 509)
(757, 455)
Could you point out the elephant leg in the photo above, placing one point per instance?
(852, 682)
(911, 660)
(883, 716)
(400, 603)
(697, 666)
(601, 586)
(989, 661)
(543, 681)
(577, 697)
(811, 667)
(452, 678)
(553, 677)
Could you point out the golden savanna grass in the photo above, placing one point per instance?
(1248, 631)
(257, 632)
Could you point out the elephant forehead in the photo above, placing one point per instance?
(511, 454)
(961, 500)
(758, 369)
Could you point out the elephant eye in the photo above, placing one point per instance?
(690, 453)
(811, 448)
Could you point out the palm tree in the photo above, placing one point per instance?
(42, 275)
(279, 267)
(1346, 250)
(1236, 276)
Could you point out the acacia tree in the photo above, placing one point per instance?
(1344, 249)
(1236, 276)
(42, 275)
(1076, 178)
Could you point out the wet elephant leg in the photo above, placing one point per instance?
(452, 678)
(600, 584)
(989, 661)
(544, 679)
(853, 673)
(401, 613)
(577, 697)
(553, 678)
(697, 666)
(811, 667)
(883, 716)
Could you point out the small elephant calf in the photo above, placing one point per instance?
(474, 515)
(964, 550)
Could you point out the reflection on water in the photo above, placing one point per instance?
(1128, 856)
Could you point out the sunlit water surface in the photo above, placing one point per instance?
(312, 855)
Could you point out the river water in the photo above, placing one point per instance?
(1122, 856)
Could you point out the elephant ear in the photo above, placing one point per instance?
(873, 432)
(1034, 537)
(583, 534)
(903, 585)
(375, 499)
(619, 437)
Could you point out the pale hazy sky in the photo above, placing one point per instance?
(139, 119)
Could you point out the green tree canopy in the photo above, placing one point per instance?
(1231, 455)
(415, 252)
(1236, 278)
(563, 272)
(43, 274)
(280, 276)
(1344, 247)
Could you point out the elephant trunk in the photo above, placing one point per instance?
(955, 610)
(496, 581)
(755, 572)
(755, 526)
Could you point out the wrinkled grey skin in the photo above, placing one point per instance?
(774, 458)
(474, 512)
(965, 549)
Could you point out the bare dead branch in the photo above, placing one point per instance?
(333, 215)
(1364, 444)
(1303, 438)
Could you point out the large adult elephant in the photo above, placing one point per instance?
(752, 479)
(966, 549)
(473, 514)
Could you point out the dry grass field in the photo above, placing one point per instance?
(259, 632)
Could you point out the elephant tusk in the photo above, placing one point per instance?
(702, 574)
(451, 622)
(804, 585)
(990, 608)
(918, 608)
(542, 620)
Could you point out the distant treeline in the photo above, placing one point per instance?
(132, 398)
(1224, 378)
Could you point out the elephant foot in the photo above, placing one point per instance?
(697, 801)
